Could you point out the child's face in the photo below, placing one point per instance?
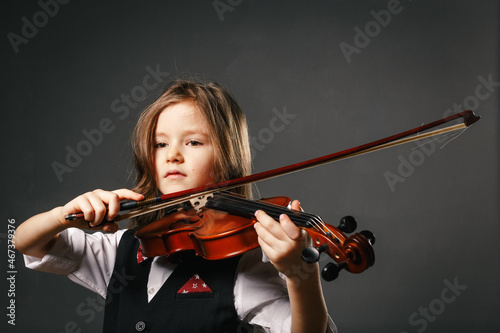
(183, 153)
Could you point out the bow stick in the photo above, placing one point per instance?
(167, 200)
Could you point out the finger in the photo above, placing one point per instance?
(90, 205)
(270, 224)
(80, 204)
(285, 230)
(116, 196)
(265, 239)
(128, 194)
(296, 205)
(291, 230)
(283, 254)
(264, 234)
(112, 199)
(99, 208)
(273, 239)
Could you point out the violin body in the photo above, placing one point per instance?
(212, 234)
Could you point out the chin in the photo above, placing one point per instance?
(173, 189)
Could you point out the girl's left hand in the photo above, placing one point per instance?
(282, 242)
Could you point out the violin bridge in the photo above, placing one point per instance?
(199, 202)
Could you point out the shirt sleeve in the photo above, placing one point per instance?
(260, 295)
(87, 259)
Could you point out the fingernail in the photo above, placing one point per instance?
(256, 213)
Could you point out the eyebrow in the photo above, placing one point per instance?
(185, 133)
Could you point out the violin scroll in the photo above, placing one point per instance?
(354, 254)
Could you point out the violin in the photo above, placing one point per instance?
(216, 224)
(223, 228)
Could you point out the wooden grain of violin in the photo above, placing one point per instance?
(216, 224)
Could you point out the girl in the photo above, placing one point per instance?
(192, 135)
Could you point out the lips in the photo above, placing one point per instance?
(174, 174)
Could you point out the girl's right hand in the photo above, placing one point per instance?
(97, 207)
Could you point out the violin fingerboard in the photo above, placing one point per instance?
(246, 208)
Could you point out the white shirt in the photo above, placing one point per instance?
(260, 295)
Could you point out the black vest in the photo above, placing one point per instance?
(128, 310)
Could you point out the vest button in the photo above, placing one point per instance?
(140, 326)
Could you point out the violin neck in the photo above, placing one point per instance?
(236, 205)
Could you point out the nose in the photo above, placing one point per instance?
(174, 154)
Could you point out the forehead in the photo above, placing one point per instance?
(182, 117)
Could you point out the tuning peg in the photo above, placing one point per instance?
(311, 254)
(331, 271)
(347, 224)
(369, 235)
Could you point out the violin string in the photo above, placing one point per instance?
(254, 205)
(305, 218)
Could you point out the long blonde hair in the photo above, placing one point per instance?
(228, 132)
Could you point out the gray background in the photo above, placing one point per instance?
(440, 225)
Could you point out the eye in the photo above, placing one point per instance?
(159, 145)
(194, 143)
